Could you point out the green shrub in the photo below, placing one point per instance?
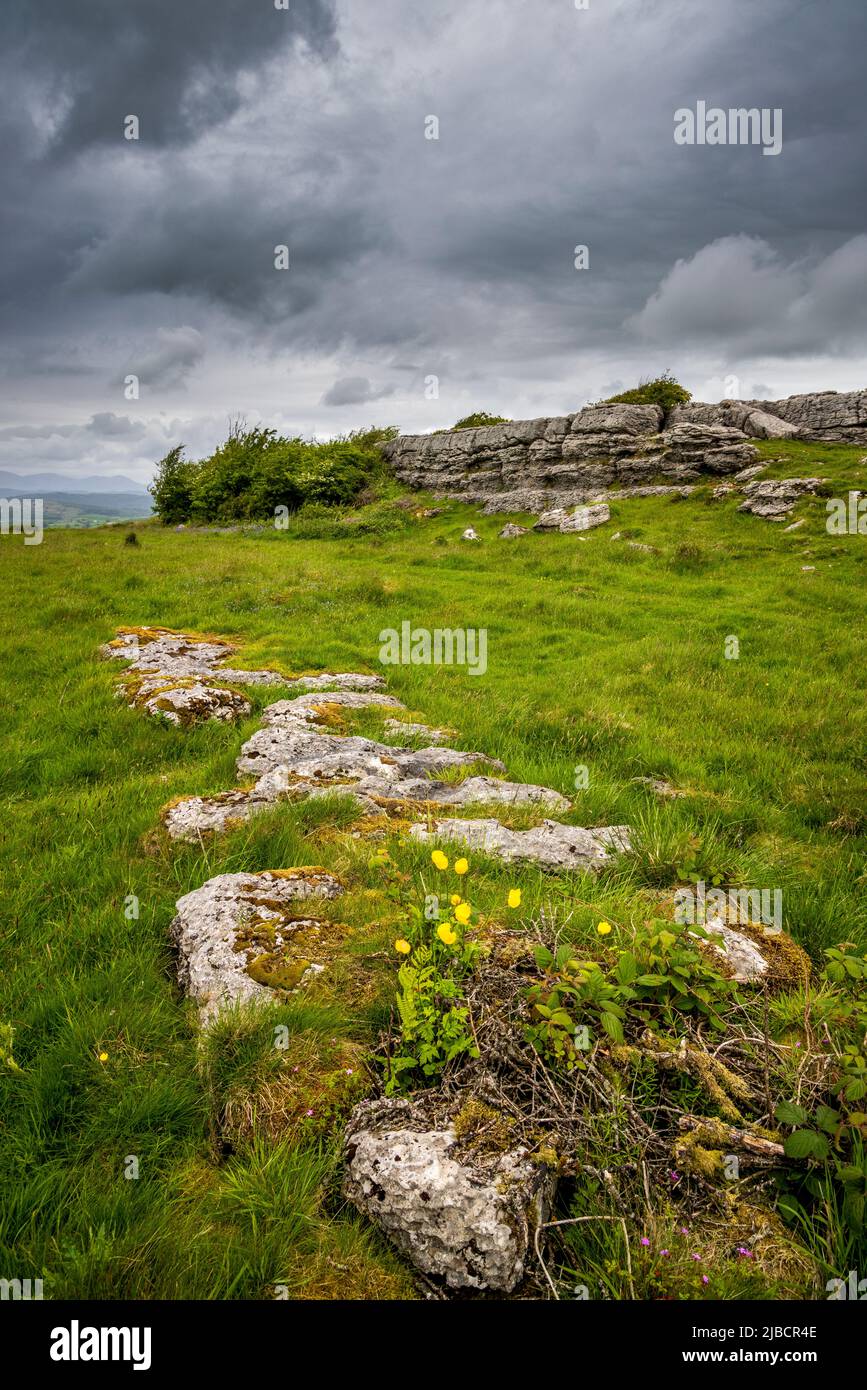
(171, 488)
(662, 390)
(480, 419)
(256, 470)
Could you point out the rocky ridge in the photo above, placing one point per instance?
(613, 451)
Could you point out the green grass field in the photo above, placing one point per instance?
(599, 655)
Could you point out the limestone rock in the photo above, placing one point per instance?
(550, 845)
(746, 416)
(551, 521)
(511, 530)
(238, 922)
(774, 499)
(461, 1217)
(746, 475)
(470, 534)
(840, 416)
(293, 757)
(744, 959)
(194, 703)
(173, 674)
(585, 518)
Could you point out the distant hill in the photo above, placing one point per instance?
(83, 509)
(35, 484)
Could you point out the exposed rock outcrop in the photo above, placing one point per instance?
(549, 845)
(241, 936)
(568, 460)
(538, 465)
(174, 674)
(293, 756)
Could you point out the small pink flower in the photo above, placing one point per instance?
(704, 1279)
(684, 1230)
(747, 1254)
(665, 1252)
(697, 1257)
(675, 1177)
(309, 1112)
(644, 1240)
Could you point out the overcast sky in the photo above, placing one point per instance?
(412, 258)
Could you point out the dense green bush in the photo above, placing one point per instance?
(479, 419)
(662, 390)
(256, 470)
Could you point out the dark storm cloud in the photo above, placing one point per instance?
(173, 63)
(306, 127)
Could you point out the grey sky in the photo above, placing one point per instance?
(412, 258)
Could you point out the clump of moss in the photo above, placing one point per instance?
(480, 1127)
(330, 715)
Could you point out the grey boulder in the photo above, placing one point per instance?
(460, 1217)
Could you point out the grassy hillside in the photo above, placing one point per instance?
(599, 654)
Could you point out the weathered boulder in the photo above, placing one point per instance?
(470, 534)
(462, 1216)
(839, 416)
(511, 530)
(774, 499)
(192, 703)
(240, 937)
(585, 518)
(745, 416)
(550, 845)
(551, 521)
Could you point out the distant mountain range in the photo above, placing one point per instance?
(34, 484)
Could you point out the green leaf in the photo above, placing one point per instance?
(790, 1114)
(806, 1143)
(827, 1119)
(612, 1026)
(626, 969)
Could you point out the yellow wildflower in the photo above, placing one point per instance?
(439, 859)
(455, 899)
(103, 1056)
(604, 928)
(402, 946)
(462, 913)
(461, 866)
(514, 897)
(446, 935)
